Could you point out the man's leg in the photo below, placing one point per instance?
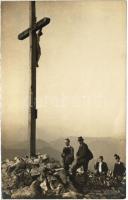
(85, 167)
(75, 167)
(66, 167)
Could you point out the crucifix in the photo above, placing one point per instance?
(34, 32)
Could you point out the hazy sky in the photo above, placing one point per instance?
(81, 75)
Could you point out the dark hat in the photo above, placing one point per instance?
(80, 138)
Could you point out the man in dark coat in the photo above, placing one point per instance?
(119, 168)
(67, 154)
(101, 167)
(83, 156)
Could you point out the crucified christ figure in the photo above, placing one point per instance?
(38, 48)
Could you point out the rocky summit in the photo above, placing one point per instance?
(44, 178)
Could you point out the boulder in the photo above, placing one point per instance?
(35, 172)
(6, 194)
(43, 185)
(34, 191)
(72, 195)
(43, 177)
(62, 175)
(44, 157)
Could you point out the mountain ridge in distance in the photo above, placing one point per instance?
(22, 148)
(99, 146)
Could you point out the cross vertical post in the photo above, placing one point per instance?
(33, 111)
(34, 33)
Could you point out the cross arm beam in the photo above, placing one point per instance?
(40, 24)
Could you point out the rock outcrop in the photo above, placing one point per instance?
(44, 178)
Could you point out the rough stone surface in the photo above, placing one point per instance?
(44, 178)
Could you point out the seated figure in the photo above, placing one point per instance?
(101, 166)
(119, 168)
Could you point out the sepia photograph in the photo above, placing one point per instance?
(63, 127)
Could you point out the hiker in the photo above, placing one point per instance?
(84, 155)
(101, 166)
(67, 155)
(119, 168)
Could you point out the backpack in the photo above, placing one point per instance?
(89, 155)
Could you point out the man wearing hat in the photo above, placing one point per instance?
(83, 156)
(67, 154)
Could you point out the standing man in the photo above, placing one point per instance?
(101, 167)
(83, 156)
(67, 154)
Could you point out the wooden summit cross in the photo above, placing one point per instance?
(35, 31)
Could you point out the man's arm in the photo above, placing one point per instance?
(72, 151)
(123, 167)
(63, 154)
(114, 171)
(96, 166)
(106, 167)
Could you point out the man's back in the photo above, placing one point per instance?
(82, 151)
